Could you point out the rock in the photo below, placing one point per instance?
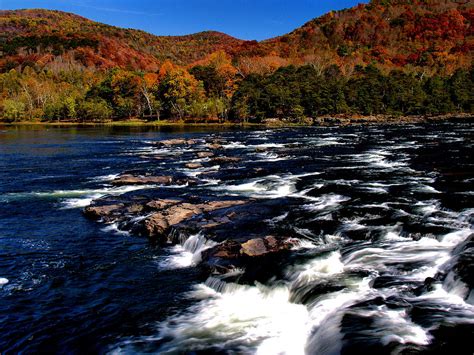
(226, 159)
(129, 179)
(263, 246)
(227, 250)
(215, 222)
(215, 146)
(155, 225)
(258, 256)
(102, 212)
(173, 212)
(216, 205)
(205, 155)
(254, 247)
(161, 204)
(177, 141)
(193, 165)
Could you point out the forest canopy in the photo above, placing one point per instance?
(215, 92)
(403, 57)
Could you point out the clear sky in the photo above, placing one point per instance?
(245, 19)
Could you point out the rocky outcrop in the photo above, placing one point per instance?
(176, 141)
(193, 165)
(106, 212)
(203, 155)
(263, 246)
(129, 179)
(154, 218)
(231, 254)
(157, 225)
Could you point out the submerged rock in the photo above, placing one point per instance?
(226, 159)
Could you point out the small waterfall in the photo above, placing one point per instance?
(188, 252)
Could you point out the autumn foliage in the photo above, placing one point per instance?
(56, 65)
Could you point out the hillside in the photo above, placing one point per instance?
(388, 57)
(42, 35)
(433, 35)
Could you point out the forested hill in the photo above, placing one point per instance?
(405, 57)
(41, 36)
(435, 35)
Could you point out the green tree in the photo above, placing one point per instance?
(462, 88)
(13, 110)
(438, 99)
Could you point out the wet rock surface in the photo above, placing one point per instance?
(129, 179)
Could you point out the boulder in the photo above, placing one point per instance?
(263, 246)
(173, 212)
(259, 257)
(129, 179)
(193, 165)
(215, 146)
(177, 141)
(205, 155)
(103, 212)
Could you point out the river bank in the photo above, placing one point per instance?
(326, 120)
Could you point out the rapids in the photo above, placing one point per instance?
(382, 215)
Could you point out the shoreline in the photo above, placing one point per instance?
(327, 120)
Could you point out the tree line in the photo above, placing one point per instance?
(216, 90)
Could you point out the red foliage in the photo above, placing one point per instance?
(389, 32)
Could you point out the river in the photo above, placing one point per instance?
(383, 216)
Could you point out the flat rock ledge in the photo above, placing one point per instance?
(225, 223)
(155, 218)
(255, 254)
(170, 213)
(129, 179)
(176, 141)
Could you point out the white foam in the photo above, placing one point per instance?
(426, 189)
(272, 186)
(76, 198)
(3, 281)
(316, 269)
(188, 254)
(105, 178)
(392, 325)
(326, 314)
(257, 319)
(113, 228)
(325, 201)
(85, 197)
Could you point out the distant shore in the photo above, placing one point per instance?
(341, 119)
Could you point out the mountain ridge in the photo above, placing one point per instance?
(390, 33)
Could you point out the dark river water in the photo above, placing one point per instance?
(384, 215)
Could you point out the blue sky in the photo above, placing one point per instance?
(246, 19)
